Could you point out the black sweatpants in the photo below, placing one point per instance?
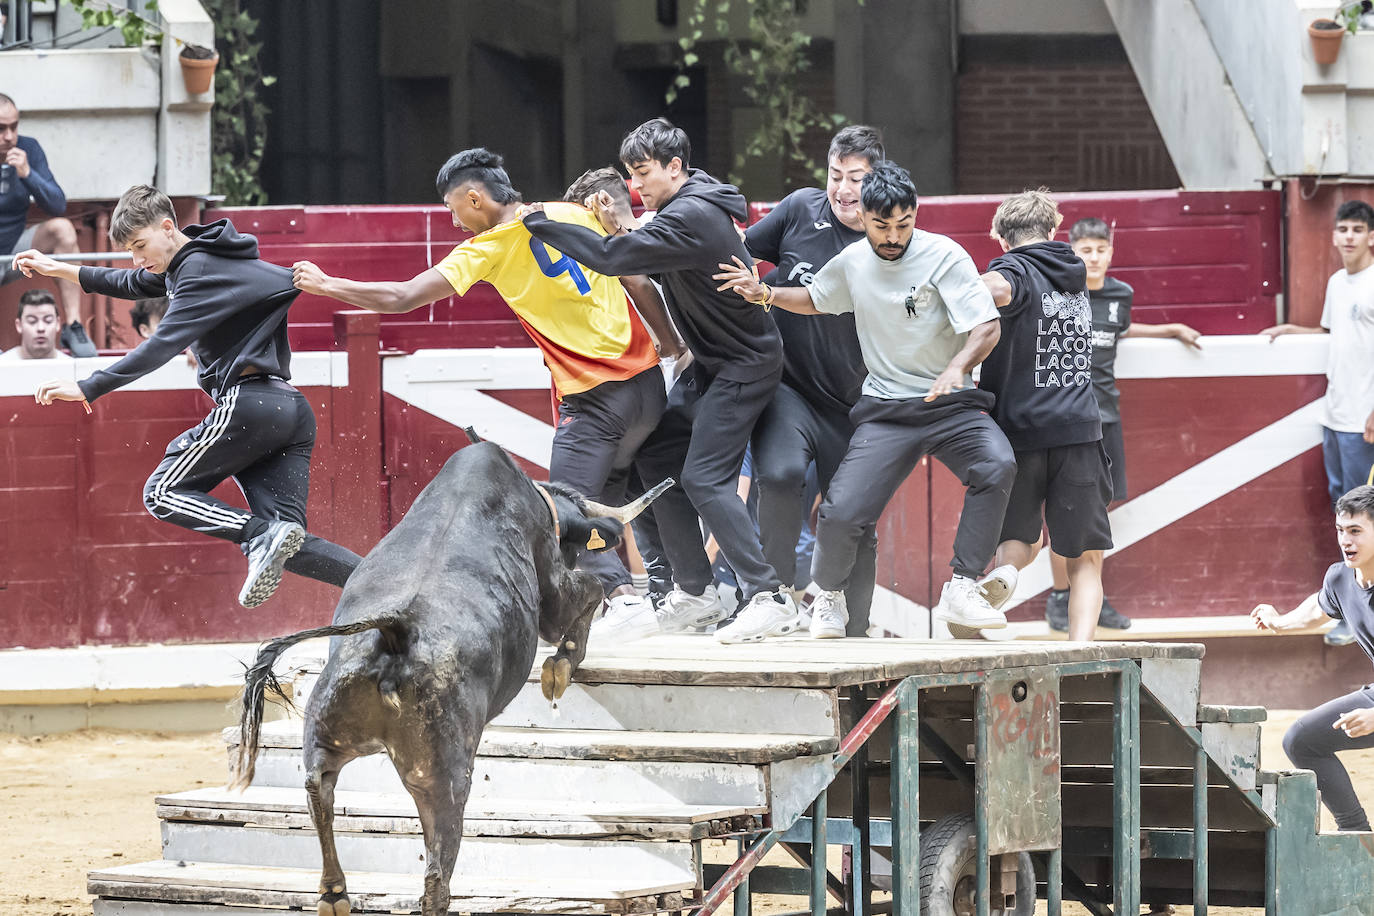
(598, 435)
(791, 433)
(261, 433)
(700, 442)
(1311, 743)
(890, 437)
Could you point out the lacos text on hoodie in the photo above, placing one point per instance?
(1041, 369)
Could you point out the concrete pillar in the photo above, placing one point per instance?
(183, 135)
(895, 70)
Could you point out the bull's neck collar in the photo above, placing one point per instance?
(553, 512)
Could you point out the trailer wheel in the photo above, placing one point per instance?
(947, 871)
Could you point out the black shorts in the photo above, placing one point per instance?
(1066, 488)
(1115, 447)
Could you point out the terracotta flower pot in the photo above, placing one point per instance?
(1326, 35)
(198, 72)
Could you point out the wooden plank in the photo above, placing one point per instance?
(1176, 683)
(604, 744)
(502, 858)
(550, 780)
(1235, 748)
(243, 885)
(1206, 713)
(378, 812)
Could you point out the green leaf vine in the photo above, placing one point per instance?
(769, 62)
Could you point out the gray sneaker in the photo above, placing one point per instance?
(682, 610)
(267, 555)
(1057, 611)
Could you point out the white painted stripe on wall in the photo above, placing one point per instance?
(314, 369)
(1205, 482)
(1223, 356)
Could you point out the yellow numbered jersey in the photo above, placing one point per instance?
(582, 321)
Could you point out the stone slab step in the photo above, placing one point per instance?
(376, 812)
(660, 864)
(169, 888)
(623, 782)
(606, 744)
(657, 707)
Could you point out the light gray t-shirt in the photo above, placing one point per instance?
(1349, 315)
(913, 314)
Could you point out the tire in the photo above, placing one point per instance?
(947, 871)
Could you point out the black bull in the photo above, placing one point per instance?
(442, 619)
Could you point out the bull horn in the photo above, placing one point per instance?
(627, 514)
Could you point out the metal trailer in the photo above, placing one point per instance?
(1105, 780)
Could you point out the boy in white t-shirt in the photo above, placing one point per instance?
(1348, 316)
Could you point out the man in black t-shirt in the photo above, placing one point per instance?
(1345, 723)
(1040, 372)
(822, 370)
(1110, 298)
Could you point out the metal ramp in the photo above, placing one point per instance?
(1097, 760)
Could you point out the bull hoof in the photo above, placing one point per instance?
(334, 905)
(555, 677)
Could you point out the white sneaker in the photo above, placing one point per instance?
(962, 602)
(766, 614)
(998, 585)
(627, 618)
(680, 610)
(829, 615)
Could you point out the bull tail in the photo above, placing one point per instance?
(260, 680)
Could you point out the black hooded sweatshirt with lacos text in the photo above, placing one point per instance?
(222, 302)
(1041, 369)
(680, 248)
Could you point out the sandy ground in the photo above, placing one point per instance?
(73, 802)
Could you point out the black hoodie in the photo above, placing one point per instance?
(1041, 369)
(680, 248)
(222, 302)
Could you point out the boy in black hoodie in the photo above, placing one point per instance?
(1041, 373)
(230, 308)
(713, 406)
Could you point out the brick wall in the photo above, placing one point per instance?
(1065, 113)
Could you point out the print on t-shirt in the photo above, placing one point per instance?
(1064, 352)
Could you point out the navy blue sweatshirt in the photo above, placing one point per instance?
(821, 357)
(40, 187)
(680, 248)
(1041, 369)
(222, 302)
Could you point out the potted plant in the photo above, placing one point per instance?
(1326, 34)
(198, 67)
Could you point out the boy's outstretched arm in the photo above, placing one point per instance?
(650, 306)
(745, 281)
(389, 298)
(1306, 616)
(1177, 330)
(120, 282)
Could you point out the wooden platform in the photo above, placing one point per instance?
(805, 662)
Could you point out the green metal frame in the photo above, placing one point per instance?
(902, 699)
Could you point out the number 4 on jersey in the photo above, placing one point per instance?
(564, 265)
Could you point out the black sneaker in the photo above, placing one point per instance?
(1339, 635)
(1111, 618)
(1057, 611)
(267, 555)
(73, 338)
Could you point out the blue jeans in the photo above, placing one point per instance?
(1349, 460)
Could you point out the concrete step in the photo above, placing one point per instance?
(605, 744)
(174, 888)
(377, 812)
(661, 864)
(662, 707)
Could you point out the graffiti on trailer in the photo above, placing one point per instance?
(1036, 723)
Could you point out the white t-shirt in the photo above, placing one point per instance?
(912, 315)
(16, 355)
(1349, 315)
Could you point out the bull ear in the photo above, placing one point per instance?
(594, 534)
(627, 514)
